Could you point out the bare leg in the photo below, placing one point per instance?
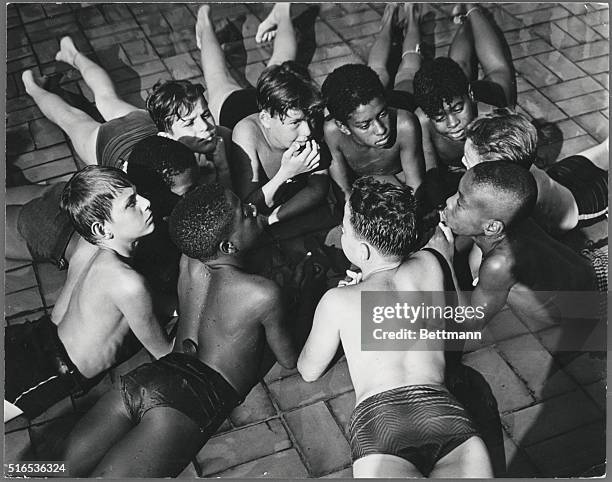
(379, 53)
(161, 445)
(107, 101)
(82, 129)
(383, 466)
(285, 43)
(219, 82)
(469, 460)
(462, 47)
(94, 435)
(599, 154)
(411, 58)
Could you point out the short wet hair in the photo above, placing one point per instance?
(512, 187)
(172, 100)
(384, 215)
(200, 221)
(88, 197)
(152, 165)
(348, 87)
(288, 86)
(438, 82)
(504, 135)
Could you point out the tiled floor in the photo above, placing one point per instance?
(552, 410)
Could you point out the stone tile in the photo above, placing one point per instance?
(18, 423)
(324, 67)
(46, 133)
(115, 12)
(16, 446)
(595, 65)
(253, 71)
(16, 37)
(550, 418)
(53, 27)
(319, 438)
(510, 392)
(355, 31)
(568, 147)
(503, 326)
(20, 65)
(54, 9)
(114, 29)
(182, 66)
(51, 282)
(340, 474)
(571, 453)
(19, 279)
(18, 103)
(597, 391)
(325, 35)
(167, 45)
(31, 12)
(18, 140)
(535, 367)
(535, 72)
(542, 16)
(295, 392)
(576, 8)
(603, 79)
(603, 30)
(586, 368)
(539, 107)
(139, 51)
(153, 24)
(554, 35)
(521, 8)
(12, 264)
(277, 372)
(25, 300)
(560, 65)
(342, 407)
(242, 445)
(517, 462)
(116, 38)
(578, 29)
(571, 88)
(255, 408)
(281, 465)
(19, 52)
(521, 35)
(179, 17)
(190, 472)
(11, 87)
(90, 17)
(584, 103)
(595, 17)
(49, 170)
(587, 51)
(532, 47)
(595, 124)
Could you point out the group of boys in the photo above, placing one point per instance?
(203, 180)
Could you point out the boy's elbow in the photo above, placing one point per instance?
(308, 374)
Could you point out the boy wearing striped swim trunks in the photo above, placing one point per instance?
(406, 423)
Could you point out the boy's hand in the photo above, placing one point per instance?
(352, 278)
(302, 156)
(443, 241)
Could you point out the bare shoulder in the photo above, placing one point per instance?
(246, 130)
(422, 271)
(120, 278)
(406, 121)
(497, 268)
(331, 131)
(340, 301)
(260, 291)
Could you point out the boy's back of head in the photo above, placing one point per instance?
(88, 197)
(172, 100)
(348, 87)
(438, 82)
(384, 215)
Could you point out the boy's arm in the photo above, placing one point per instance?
(221, 155)
(311, 196)
(323, 340)
(277, 333)
(494, 284)
(411, 150)
(133, 299)
(429, 150)
(338, 168)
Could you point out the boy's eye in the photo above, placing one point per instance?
(438, 118)
(384, 113)
(364, 126)
(458, 108)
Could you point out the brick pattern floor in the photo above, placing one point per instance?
(552, 409)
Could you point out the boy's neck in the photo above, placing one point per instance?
(488, 243)
(123, 248)
(226, 261)
(379, 265)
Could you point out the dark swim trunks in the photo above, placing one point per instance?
(587, 182)
(45, 228)
(181, 382)
(401, 99)
(238, 105)
(419, 423)
(39, 372)
(117, 137)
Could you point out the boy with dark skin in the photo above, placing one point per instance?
(167, 410)
(521, 264)
(366, 137)
(102, 300)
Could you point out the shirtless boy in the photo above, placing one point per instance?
(366, 137)
(167, 410)
(572, 192)
(176, 109)
(399, 389)
(522, 266)
(102, 300)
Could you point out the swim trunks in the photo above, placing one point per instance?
(238, 105)
(488, 92)
(117, 137)
(181, 382)
(39, 372)
(401, 99)
(419, 423)
(587, 183)
(45, 228)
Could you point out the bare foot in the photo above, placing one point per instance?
(203, 18)
(389, 16)
(412, 14)
(67, 52)
(30, 82)
(458, 13)
(267, 28)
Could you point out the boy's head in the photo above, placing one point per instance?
(211, 220)
(355, 98)
(502, 135)
(163, 170)
(378, 216)
(179, 110)
(290, 103)
(102, 204)
(442, 90)
(492, 197)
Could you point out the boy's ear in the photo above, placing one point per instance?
(265, 118)
(342, 127)
(228, 247)
(164, 134)
(99, 231)
(471, 93)
(494, 227)
(364, 251)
